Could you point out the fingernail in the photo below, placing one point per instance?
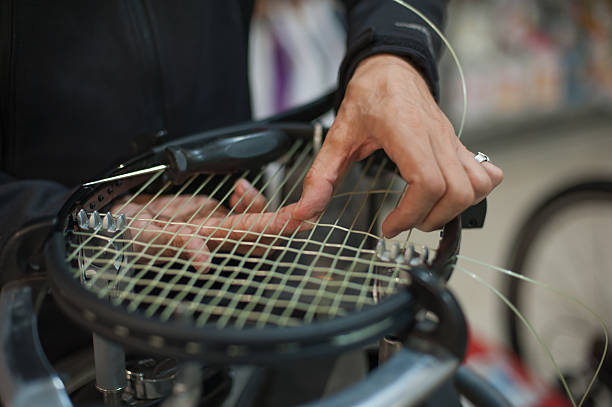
(238, 187)
(314, 219)
(242, 185)
(390, 233)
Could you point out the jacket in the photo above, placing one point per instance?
(81, 83)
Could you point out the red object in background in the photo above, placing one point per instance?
(504, 371)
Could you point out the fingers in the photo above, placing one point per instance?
(185, 208)
(247, 228)
(484, 177)
(481, 180)
(458, 194)
(436, 194)
(164, 244)
(329, 166)
(426, 185)
(192, 247)
(157, 241)
(246, 198)
(182, 208)
(495, 173)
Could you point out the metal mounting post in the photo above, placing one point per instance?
(109, 358)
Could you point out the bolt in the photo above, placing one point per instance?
(121, 222)
(425, 254)
(380, 247)
(82, 219)
(95, 221)
(394, 250)
(409, 253)
(109, 223)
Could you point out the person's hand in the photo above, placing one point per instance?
(388, 105)
(193, 226)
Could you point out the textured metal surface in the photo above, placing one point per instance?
(26, 377)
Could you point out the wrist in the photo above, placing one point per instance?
(387, 63)
(386, 74)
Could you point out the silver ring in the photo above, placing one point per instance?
(481, 157)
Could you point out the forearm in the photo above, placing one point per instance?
(389, 105)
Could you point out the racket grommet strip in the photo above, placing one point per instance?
(393, 253)
(95, 221)
(416, 257)
(381, 248)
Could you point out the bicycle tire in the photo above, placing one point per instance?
(550, 212)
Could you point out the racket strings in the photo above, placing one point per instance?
(301, 161)
(307, 279)
(164, 247)
(150, 222)
(253, 277)
(601, 359)
(348, 276)
(364, 260)
(280, 245)
(391, 284)
(93, 235)
(136, 256)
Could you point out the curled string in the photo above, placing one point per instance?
(530, 326)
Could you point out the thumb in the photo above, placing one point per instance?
(329, 166)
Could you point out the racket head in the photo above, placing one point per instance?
(244, 308)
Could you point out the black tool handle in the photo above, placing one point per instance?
(474, 216)
(226, 154)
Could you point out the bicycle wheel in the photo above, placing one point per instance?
(565, 243)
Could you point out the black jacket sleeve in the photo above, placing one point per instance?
(383, 26)
(79, 83)
(22, 200)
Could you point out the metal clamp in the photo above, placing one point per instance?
(151, 378)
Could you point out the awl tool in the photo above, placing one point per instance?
(219, 156)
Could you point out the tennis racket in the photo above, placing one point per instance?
(257, 286)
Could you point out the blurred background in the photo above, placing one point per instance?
(539, 82)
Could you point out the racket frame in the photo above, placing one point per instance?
(227, 345)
